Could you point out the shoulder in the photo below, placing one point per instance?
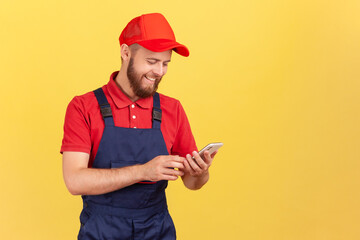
(172, 108)
(168, 102)
(83, 106)
(85, 102)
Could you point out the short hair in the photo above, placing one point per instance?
(133, 49)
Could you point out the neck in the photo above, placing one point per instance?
(123, 83)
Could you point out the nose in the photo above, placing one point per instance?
(159, 70)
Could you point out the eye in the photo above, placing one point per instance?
(151, 62)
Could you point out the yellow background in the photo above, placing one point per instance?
(277, 81)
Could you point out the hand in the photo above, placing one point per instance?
(163, 168)
(197, 166)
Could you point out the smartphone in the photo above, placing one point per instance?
(211, 147)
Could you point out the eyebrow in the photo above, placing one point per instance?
(158, 60)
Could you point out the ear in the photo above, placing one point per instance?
(125, 52)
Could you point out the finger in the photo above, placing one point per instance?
(170, 177)
(195, 155)
(194, 166)
(171, 161)
(207, 157)
(199, 160)
(187, 167)
(175, 172)
(214, 153)
(176, 158)
(174, 165)
(166, 158)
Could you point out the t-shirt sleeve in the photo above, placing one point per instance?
(184, 141)
(76, 128)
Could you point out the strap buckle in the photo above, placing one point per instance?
(105, 110)
(156, 114)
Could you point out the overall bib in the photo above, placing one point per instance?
(138, 211)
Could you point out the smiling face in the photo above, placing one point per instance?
(146, 69)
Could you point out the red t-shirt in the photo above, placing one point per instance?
(84, 125)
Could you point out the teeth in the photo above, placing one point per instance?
(151, 79)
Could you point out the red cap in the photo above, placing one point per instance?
(153, 32)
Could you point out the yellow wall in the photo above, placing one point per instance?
(277, 81)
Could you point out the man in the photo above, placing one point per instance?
(124, 141)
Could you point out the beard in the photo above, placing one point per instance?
(135, 80)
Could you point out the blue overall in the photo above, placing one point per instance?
(138, 211)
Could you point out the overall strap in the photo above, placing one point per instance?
(104, 107)
(156, 113)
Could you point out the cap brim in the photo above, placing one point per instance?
(161, 45)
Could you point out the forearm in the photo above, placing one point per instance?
(195, 182)
(93, 181)
(81, 180)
